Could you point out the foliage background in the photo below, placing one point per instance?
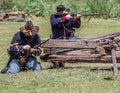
(47, 7)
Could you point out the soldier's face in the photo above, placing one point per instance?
(27, 34)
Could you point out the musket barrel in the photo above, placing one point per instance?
(96, 14)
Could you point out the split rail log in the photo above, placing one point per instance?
(77, 50)
(114, 60)
(91, 43)
(86, 58)
(107, 68)
(81, 44)
(6, 16)
(16, 13)
(104, 37)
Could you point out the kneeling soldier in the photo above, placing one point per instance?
(23, 50)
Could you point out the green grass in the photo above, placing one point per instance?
(58, 80)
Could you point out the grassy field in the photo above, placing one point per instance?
(58, 80)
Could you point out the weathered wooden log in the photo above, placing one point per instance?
(114, 60)
(108, 36)
(82, 44)
(80, 57)
(89, 50)
(92, 67)
(3, 16)
(16, 13)
(7, 16)
(75, 59)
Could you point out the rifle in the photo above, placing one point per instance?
(23, 58)
(90, 15)
(29, 53)
(95, 14)
(59, 14)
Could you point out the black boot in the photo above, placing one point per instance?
(4, 70)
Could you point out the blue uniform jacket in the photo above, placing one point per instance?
(58, 28)
(22, 40)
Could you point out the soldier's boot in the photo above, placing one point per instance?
(54, 65)
(4, 70)
(61, 64)
(67, 64)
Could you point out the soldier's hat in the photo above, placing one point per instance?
(30, 28)
(60, 9)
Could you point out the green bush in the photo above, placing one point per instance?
(6, 5)
(110, 7)
(35, 8)
(47, 7)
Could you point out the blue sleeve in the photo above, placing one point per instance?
(56, 21)
(76, 22)
(16, 40)
(14, 52)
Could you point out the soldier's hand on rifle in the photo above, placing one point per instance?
(68, 17)
(33, 50)
(78, 15)
(26, 47)
(37, 52)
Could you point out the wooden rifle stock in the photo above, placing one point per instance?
(24, 58)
